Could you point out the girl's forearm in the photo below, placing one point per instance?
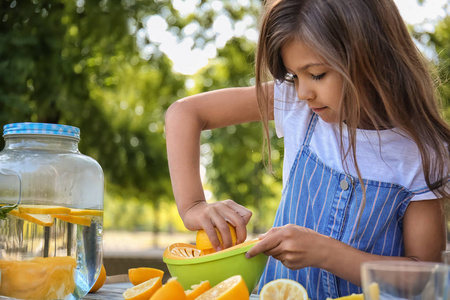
(183, 130)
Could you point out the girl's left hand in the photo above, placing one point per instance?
(294, 246)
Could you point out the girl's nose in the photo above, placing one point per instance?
(304, 92)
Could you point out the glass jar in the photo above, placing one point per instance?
(51, 214)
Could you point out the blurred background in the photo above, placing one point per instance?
(112, 68)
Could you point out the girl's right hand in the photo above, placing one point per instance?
(185, 120)
(209, 216)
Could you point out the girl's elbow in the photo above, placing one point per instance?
(183, 113)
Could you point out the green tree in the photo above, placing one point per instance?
(78, 63)
(438, 42)
(91, 64)
(81, 63)
(440, 39)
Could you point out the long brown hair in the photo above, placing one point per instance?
(386, 80)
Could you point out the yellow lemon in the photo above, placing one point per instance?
(203, 242)
(171, 290)
(38, 278)
(86, 212)
(40, 219)
(139, 275)
(43, 209)
(197, 289)
(280, 289)
(144, 290)
(79, 220)
(100, 280)
(233, 288)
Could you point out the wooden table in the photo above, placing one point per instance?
(110, 291)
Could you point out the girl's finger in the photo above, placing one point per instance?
(238, 223)
(225, 233)
(268, 245)
(240, 210)
(238, 216)
(210, 229)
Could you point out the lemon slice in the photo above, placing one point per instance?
(43, 209)
(197, 289)
(374, 291)
(283, 289)
(79, 220)
(86, 212)
(139, 275)
(144, 290)
(230, 289)
(40, 219)
(38, 278)
(171, 290)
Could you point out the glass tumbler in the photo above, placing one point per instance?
(404, 280)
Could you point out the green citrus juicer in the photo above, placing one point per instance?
(190, 266)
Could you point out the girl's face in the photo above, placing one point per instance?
(315, 81)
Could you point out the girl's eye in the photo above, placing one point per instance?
(317, 77)
(290, 77)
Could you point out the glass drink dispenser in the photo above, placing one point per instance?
(51, 213)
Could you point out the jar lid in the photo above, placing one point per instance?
(41, 128)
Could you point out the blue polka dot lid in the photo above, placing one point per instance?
(41, 129)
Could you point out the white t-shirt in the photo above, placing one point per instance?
(386, 155)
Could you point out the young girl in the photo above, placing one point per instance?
(366, 150)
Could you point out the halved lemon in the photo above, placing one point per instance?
(180, 251)
(43, 209)
(139, 275)
(100, 280)
(40, 219)
(171, 290)
(283, 289)
(197, 289)
(202, 240)
(144, 290)
(233, 288)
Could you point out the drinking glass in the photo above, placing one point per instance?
(404, 280)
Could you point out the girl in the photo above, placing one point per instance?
(366, 150)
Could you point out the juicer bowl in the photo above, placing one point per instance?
(185, 263)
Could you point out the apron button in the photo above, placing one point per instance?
(344, 185)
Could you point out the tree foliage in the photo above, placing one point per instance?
(81, 63)
(438, 40)
(92, 64)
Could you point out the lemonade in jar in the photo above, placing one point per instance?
(51, 213)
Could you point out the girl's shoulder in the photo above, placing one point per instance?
(389, 156)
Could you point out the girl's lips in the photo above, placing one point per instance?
(318, 109)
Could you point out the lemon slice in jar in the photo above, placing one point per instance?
(43, 209)
(40, 219)
(86, 212)
(80, 216)
(79, 220)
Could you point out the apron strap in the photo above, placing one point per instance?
(310, 130)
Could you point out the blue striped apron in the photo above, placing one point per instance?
(326, 200)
